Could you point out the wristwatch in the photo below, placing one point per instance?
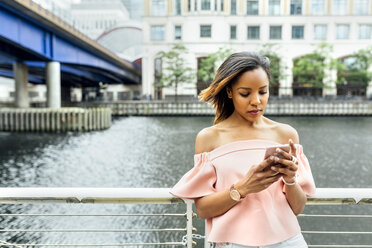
(234, 194)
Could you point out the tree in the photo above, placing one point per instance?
(310, 69)
(354, 69)
(208, 66)
(276, 67)
(176, 70)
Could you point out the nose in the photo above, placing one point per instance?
(255, 99)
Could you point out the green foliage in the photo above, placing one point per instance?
(209, 65)
(276, 68)
(356, 70)
(176, 70)
(309, 70)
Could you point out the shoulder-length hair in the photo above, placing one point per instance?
(230, 70)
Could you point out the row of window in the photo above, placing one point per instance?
(252, 7)
(275, 32)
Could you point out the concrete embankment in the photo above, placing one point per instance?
(280, 108)
(54, 120)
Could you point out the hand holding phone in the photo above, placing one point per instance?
(270, 150)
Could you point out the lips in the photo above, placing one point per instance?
(254, 111)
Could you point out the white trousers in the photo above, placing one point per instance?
(297, 241)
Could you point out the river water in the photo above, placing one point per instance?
(156, 152)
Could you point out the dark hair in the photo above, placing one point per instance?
(230, 70)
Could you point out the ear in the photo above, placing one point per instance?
(229, 92)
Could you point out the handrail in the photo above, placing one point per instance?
(155, 195)
(12, 195)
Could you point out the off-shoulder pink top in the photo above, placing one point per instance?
(260, 219)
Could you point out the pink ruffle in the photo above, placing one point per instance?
(199, 181)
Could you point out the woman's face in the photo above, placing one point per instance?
(250, 94)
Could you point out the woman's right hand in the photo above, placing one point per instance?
(258, 178)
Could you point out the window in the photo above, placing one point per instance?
(157, 67)
(274, 7)
(318, 7)
(297, 32)
(189, 5)
(296, 7)
(320, 31)
(177, 5)
(158, 8)
(253, 33)
(157, 32)
(33, 94)
(123, 95)
(365, 31)
(195, 5)
(205, 31)
(233, 32)
(252, 7)
(206, 4)
(222, 6)
(342, 31)
(361, 7)
(339, 7)
(275, 32)
(177, 32)
(233, 7)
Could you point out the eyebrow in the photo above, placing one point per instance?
(245, 88)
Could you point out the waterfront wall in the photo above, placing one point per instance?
(280, 108)
(54, 120)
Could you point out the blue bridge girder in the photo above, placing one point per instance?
(35, 36)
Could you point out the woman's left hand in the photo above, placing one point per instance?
(285, 164)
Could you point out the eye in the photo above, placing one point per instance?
(244, 95)
(263, 92)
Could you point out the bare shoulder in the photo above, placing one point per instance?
(287, 132)
(206, 140)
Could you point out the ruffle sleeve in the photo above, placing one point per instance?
(305, 177)
(199, 181)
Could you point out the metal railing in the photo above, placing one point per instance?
(324, 196)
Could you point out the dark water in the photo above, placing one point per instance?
(156, 152)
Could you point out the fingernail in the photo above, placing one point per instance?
(273, 168)
(276, 159)
(271, 158)
(277, 150)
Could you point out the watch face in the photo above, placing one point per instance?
(235, 195)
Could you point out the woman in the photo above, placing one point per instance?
(247, 200)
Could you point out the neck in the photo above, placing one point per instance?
(238, 120)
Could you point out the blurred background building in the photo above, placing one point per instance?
(290, 29)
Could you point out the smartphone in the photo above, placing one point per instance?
(270, 150)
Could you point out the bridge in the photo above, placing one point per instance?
(38, 47)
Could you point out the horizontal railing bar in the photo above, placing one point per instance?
(96, 230)
(334, 232)
(323, 196)
(99, 245)
(97, 215)
(341, 246)
(335, 215)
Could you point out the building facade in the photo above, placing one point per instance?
(293, 26)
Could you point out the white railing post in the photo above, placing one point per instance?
(189, 222)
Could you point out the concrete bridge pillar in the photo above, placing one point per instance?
(20, 71)
(53, 81)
